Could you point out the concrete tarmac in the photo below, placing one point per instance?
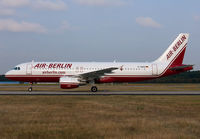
(100, 93)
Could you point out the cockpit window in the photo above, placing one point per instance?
(17, 68)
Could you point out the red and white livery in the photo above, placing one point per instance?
(74, 74)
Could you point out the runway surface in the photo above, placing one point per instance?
(100, 93)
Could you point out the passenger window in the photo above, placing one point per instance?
(18, 68)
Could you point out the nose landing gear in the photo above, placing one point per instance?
(30, 89)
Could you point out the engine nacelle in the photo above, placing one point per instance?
(69, 82)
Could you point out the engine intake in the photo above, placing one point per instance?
(69, 82)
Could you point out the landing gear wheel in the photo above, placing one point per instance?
(94, 89)
(30, 89)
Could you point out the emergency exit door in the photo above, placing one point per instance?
(154, 69)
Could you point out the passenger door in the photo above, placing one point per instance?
(29, 69)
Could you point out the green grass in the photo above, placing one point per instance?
(90, 117)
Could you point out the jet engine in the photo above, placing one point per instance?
(69, 82)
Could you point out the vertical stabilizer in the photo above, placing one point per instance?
(175, 52)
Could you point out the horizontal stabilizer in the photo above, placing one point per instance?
(181, 67)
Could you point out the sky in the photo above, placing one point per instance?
(95, 30)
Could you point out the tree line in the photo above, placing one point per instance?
(185, 77)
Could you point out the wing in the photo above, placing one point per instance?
(89, 76)
(181, 67)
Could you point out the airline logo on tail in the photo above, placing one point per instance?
(176, 46)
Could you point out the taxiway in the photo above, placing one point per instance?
(100, 93)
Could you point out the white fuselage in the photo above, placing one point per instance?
(76, 68)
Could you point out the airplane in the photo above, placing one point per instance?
(74, 74)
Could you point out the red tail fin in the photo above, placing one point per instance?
(174, 54)
(179, 59)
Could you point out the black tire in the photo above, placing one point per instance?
(94, 89)
(30, 89)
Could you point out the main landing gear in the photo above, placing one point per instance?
(94, 89)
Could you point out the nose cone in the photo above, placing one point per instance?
(7, 74)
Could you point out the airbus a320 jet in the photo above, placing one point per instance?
(74, 74)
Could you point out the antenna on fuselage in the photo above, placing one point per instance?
(32, 62)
